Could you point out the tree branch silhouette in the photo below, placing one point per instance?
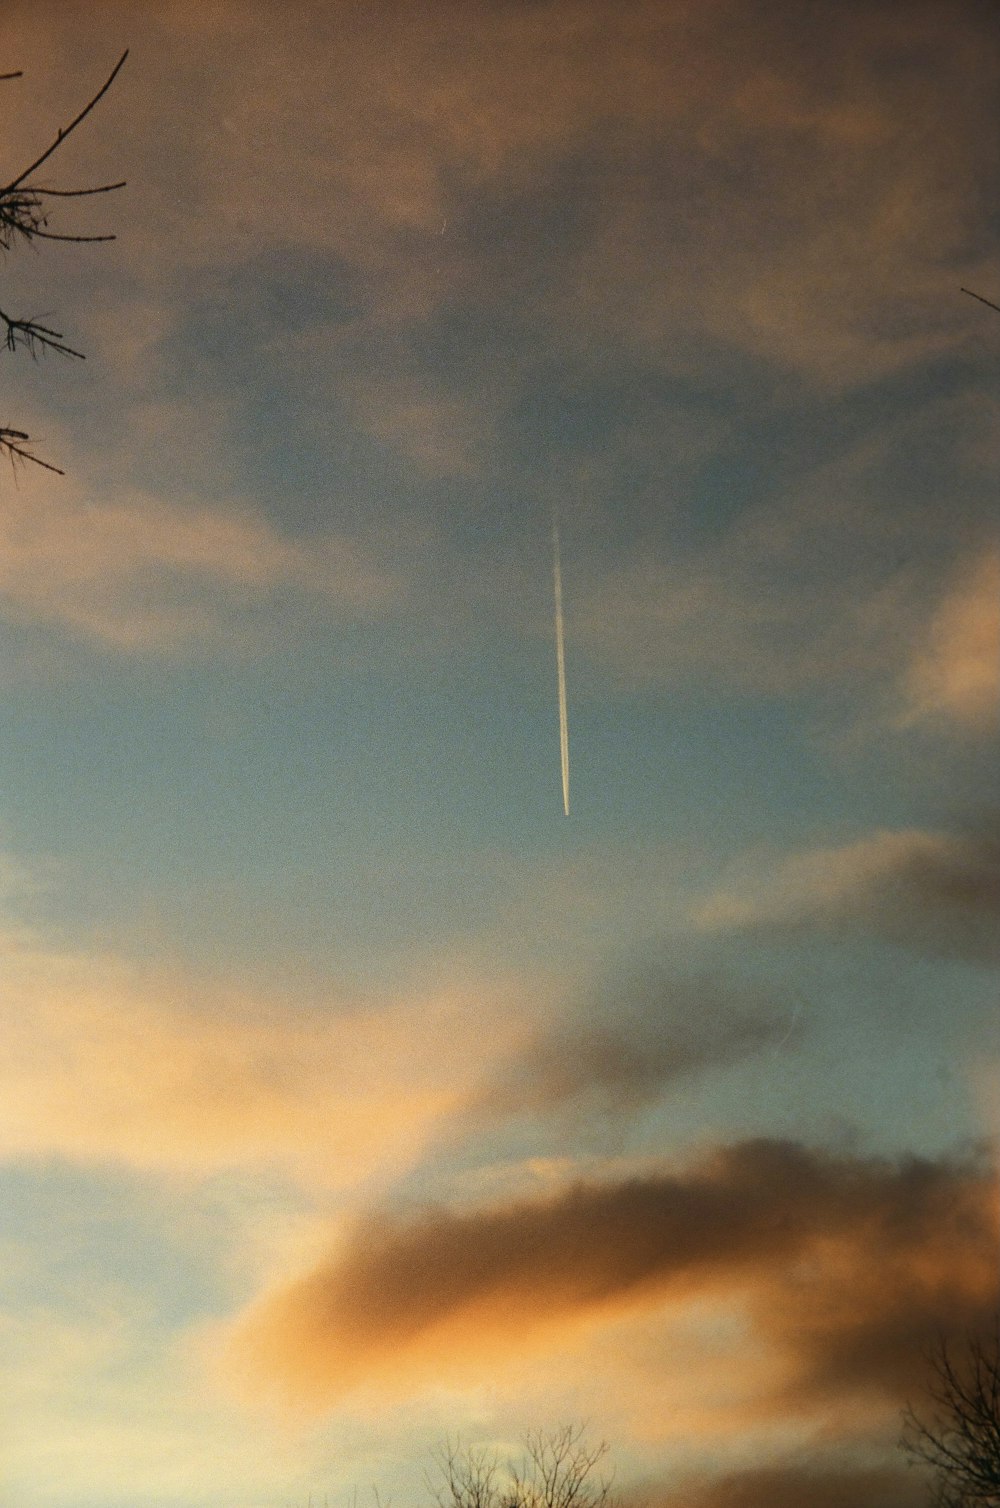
(987, 301)
(957, 1434)
(24, 217)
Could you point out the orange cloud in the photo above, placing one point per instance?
(102, 1064)
(472, 120)
(455, 1294)
(955, 674)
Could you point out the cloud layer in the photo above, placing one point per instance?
(391, 282)
(845, 1265)
(431, 271)
(791, 1486)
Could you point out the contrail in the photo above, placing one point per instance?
(561, 667)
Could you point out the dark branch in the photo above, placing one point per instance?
(987, 301)
(24, 210)
(103, 188)
(22, 213)
(67, 130)
(51, 235)
(958, 1437)
(22, 204)
(13, 441)
(35, 337)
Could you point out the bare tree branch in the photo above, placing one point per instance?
(102, 188)
(557, 1470)
(35, 337)
(50, 235)
(987, 301)
(958, 1436)
(13, 442)
(65, 131)
(24, 217)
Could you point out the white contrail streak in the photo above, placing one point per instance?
(561, 668)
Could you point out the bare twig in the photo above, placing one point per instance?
(557, 1470)
(987, 301)
(35, 337)
(51, 235)
(958, 1436)
(23, 215)
(14, 441)
(65, 131)
(102, 188)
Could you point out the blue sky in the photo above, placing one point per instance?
(354, 1096)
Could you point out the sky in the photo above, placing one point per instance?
(353, 1097)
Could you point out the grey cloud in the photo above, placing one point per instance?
(650, 1031)
(934, 893)
(791, 1486)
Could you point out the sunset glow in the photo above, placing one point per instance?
(460, 371)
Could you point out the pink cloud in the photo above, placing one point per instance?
(143, 574)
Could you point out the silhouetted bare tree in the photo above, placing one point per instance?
(25, 205)
(556, 1470)
(957, 1434)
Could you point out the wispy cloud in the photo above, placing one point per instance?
(144, 574)
(848, 577)
(650, 1031)
(474, 123)
(106, 1064)
(937, 893)
(83, 1377)
(850, 191)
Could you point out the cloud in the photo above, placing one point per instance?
(935, 893)
(802, 214)
(735, 202)
(733, 618)
(790, 1486)
(440, 434)
(844, 1265)
(103, 1063)
(955, 673)
(142, 574)
(819, 584)
(771, 605)
(84, 1378)
(652, 1031)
